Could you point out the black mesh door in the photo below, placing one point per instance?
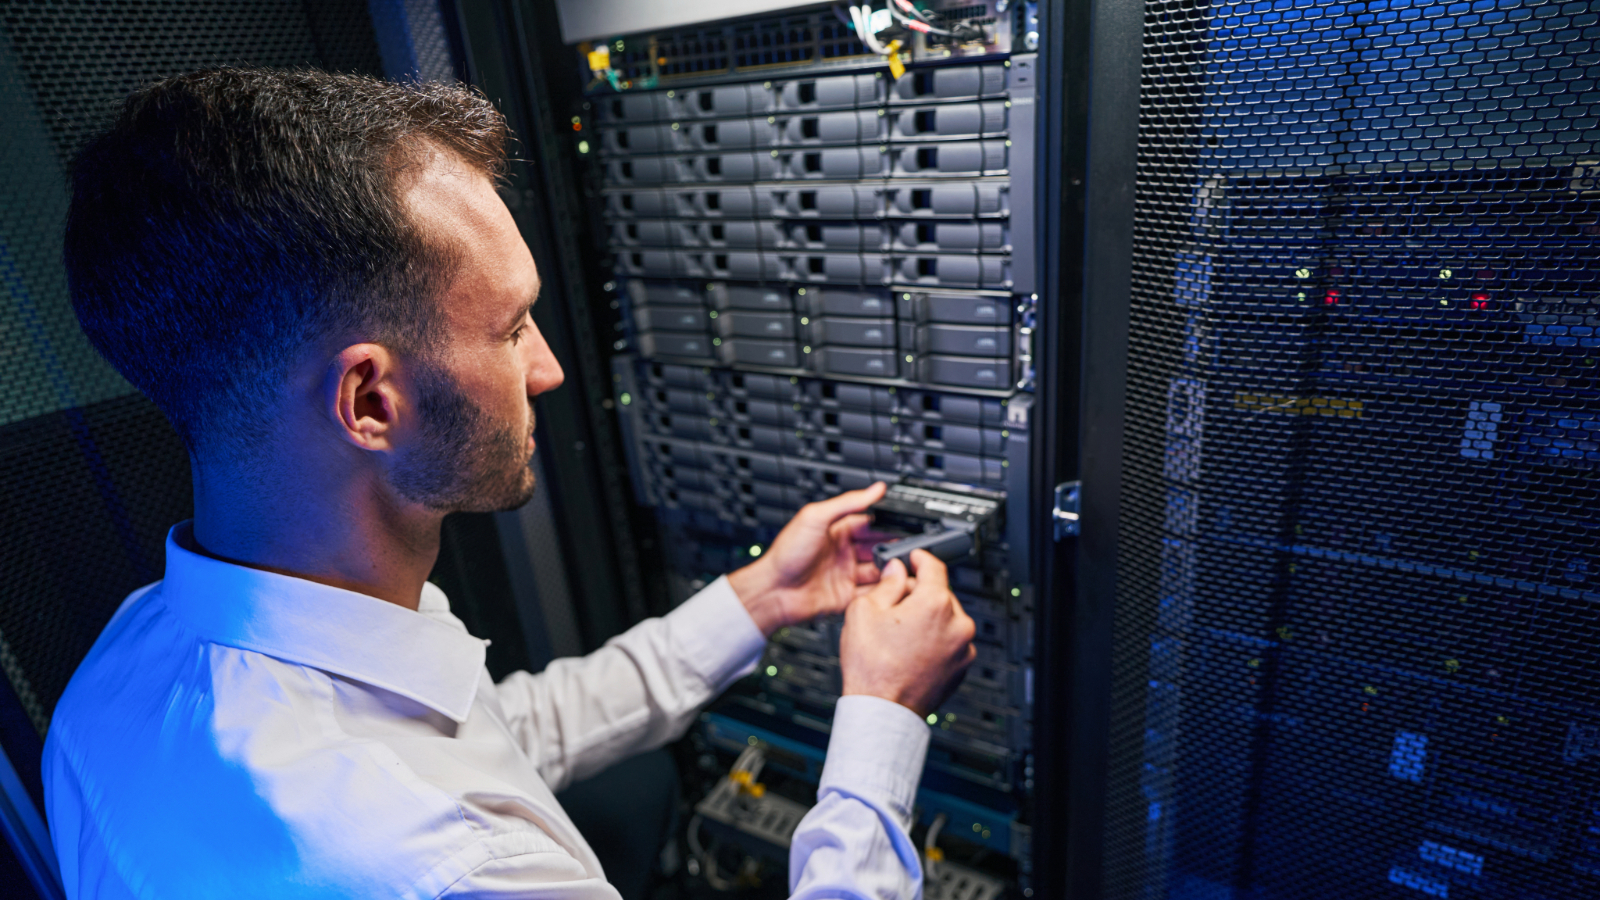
(91, 475)
(1359, 585)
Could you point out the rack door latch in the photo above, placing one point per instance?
(1065, 513)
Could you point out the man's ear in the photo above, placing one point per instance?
(363, 396)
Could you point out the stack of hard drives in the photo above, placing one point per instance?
(848, 225)
(822, 286)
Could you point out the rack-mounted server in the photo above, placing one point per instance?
(826, 276)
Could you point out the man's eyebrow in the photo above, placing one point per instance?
(527, 310)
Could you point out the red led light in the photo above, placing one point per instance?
(1480, 301)
(1331, 298)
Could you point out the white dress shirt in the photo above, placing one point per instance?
(238, 733)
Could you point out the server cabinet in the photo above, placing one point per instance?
(826, 275)
(1356, 522)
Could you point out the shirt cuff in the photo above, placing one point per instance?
(716, 635)
(876, 753)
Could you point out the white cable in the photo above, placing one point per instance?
(911, 8)
(745, 756)
(862, 14)
(929, 845)
(908, 7)
(922, 26)
(861, 29)
(708, 861)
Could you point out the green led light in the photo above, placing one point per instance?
(583, 146)
(933, 718)
(626, 398)
(755, 549)
(1016, 592)
(772, 670)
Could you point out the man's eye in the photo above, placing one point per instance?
(516, 336)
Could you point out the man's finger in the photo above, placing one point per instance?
(930, 569)
(850, 526)
(867, 573)
(826, 511)
(860, 528)
(892, 585)
(965, 626)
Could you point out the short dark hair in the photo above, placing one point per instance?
(231, 216)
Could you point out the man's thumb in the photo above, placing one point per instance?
(892, 584)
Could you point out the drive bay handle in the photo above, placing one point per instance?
(950, 545)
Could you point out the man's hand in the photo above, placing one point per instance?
(907, 640)
(816, 565)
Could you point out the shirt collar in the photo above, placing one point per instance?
(424, 656)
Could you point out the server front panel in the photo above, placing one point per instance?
(825, 274)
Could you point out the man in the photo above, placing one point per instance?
(313, 277)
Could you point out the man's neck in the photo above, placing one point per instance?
(348, 535)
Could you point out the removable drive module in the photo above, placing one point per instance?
(950, 521)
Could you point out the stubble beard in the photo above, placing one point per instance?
(465, 460)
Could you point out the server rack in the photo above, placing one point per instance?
(825, 271)
(1358, 530)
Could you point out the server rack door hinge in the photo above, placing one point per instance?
(1065, 513)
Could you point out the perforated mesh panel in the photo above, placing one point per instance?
(1359, 583)
(91, 475)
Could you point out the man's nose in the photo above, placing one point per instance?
(545, 373)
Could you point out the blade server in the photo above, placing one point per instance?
(825, 269)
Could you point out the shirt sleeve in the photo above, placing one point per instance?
(856, 842)
(639, 691)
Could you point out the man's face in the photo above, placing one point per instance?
(474, 401)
